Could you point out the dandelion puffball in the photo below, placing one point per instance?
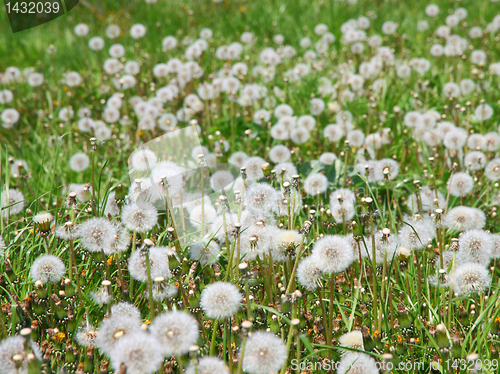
(264, 353)
(220, 300)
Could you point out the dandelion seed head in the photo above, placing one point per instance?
(260, 196)
(208, 365)
(357, 363)
(471, 278)
(264, 353)
(353, 339)
(333, 253)
(48, 269)
(13, 355)
(139, 352)
(207, 254)
(460, 184)
(253, 167)
(113, 329)
(97, 234)
(124, 308)
(11, 202)
(175, 331)
(159, 264)
(308, 273)
(315, 183)
(475, 246)
(141, 216)
(220, 300)
(463, 218)
(279, 153)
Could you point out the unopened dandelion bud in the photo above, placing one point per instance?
(119, 194)
(274, 325)
(246, 325)
(237, 196)
(430, 249)
(88, 362)
(93, 142)
(295, 181)
(456, 347)
(104, 367)
(266, 168)
(442, 336)
(72, 203)
(43, 221)
(243, 170)
(404, 318)
(403, 253)
(306, 228)
(368, 342)
(87, 192)
(243, 267)
(464, 315)
(495, 327)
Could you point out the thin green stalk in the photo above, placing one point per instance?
(214, 334)
(150, 288)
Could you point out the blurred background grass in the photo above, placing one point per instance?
(293, 18)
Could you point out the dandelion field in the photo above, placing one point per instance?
(251, 187)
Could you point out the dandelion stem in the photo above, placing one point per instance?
(150, 287)
(179, 362)
(290, 336)
(240, 362)
(214, 334)
(292, 275)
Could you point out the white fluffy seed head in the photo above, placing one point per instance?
(140, 216)
(353, 339)
(175, 331)
(48, 269)
(11, 202)
(471, 278)
(158, 260)
(208, 365)
(315, 184)
(460, 184)
(115, 328)
(261, 196)
(97, 234)
(464, 218)
(220, 300)
(15, 346)
(125, 308)
(308, 273)
(475, 246)
(417, 235)
(139, 352)
(79, 162)
(279, 153)
(144, 159)
(206, 254)
(386, 168)
(492, 170)
(221, 179)
(357, 363)
(333, 253)
(264, 353)
(254, 168)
